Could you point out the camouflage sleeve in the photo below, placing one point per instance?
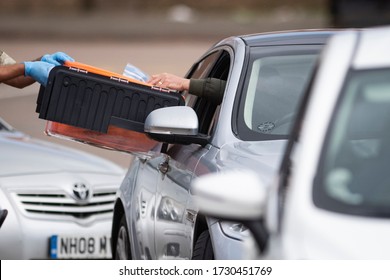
(5, 59)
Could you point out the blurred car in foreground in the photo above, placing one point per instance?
(59, 201)
(331, 198)
(3, 215)
(155, 216)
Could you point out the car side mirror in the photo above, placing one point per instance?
(180, 120)
(238, 196)
(176, 124)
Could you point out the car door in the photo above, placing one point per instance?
(143, 199)
(175, 212)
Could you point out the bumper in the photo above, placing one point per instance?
(226, 247)
(24, 237)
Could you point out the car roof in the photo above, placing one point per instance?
(292, 37)
(373, 48)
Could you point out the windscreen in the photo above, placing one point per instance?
(354, 175)
(273, 88)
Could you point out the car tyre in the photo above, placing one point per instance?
(122, 250)
(203, 249)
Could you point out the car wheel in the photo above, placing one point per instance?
(203, 249)
(122, 250)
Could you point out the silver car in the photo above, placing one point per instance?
(59, 201)
(331, 198)
(155, 216)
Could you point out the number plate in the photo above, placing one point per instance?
(80, 247)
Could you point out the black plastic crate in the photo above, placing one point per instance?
(87, 100)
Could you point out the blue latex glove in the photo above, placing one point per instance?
(57, 58)
(38, 70)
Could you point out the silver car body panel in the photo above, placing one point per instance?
(166, 206)
(37, 181)
(160, 212)
(223, 133)
(20, 152)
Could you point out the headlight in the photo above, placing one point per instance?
(170, 210)
(235, 230)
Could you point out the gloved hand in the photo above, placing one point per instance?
(57, 58)
(38, 70)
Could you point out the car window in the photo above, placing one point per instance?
(353, 176)
(216, 65)
(274, 85)
(200, 71)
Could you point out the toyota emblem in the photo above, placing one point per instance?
(81, 192)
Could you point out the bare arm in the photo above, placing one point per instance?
(13, 75)
(20, 82)
(170, 81)
(12, 71)
(210, 88)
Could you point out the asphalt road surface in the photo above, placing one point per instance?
(17, 107)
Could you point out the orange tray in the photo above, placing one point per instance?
(116, 138)
(100, 71)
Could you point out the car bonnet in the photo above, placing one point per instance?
(21, 154)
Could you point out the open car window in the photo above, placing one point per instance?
(216, 65)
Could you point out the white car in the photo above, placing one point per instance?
(3, 215)
(59, 201)
(331, 199)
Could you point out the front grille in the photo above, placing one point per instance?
(62, 204)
